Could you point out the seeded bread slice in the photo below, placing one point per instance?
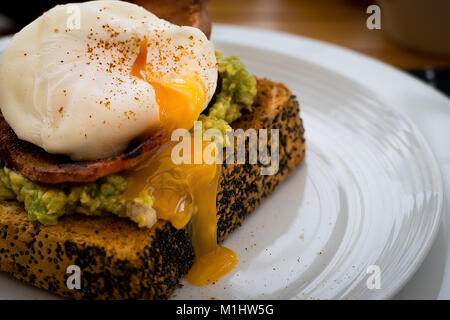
(120, 261)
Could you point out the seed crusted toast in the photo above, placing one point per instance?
(120, 261)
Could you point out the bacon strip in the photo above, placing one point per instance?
(38, 165)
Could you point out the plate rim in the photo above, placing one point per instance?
(282, 38)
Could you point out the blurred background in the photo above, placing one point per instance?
(414, 34)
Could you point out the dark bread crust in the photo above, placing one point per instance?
(242, 187)
(120, 261)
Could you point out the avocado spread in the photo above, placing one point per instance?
(46, 203)
(237, 92)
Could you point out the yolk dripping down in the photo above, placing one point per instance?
(180, 98)
(186, 192)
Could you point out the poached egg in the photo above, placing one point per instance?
(87, 79)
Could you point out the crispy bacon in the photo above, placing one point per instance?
(38, 165)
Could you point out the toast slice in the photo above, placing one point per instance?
(120, 261)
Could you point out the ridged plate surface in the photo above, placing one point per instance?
(369, 192)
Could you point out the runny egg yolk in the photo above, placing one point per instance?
(183, 193)
(180, 98)
(186, 193)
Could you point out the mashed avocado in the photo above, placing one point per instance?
(46, 203)
(238, 91)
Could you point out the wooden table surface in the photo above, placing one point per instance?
(342, 22)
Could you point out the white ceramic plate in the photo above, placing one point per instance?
(369, 193)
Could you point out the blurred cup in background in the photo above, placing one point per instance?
(423, 25)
